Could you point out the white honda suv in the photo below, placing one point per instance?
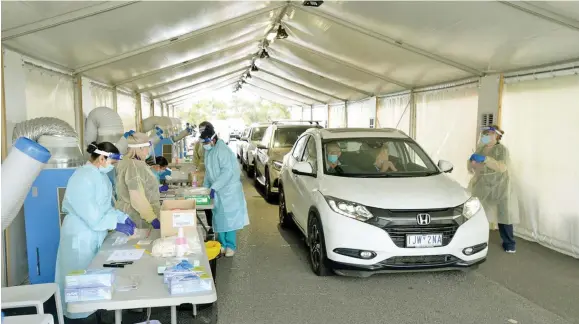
(371, 200)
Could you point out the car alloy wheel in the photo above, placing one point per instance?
(317, 248)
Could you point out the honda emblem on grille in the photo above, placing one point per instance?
(423, 219)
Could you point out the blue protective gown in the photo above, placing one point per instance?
(89, 215)
(223, 175)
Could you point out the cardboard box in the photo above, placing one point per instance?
(178, 213)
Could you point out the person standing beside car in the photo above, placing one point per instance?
(491, 183)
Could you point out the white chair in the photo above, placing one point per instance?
(32, 296)
(29, 319)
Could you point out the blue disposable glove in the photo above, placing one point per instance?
(478, 158)
(163, 188)
(126, 229)
(129, 133)
(129, 221)
(212, 194)
(156, 224)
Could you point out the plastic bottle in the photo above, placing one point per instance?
(180, 243)
(195, 179)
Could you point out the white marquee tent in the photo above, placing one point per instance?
(428, 68)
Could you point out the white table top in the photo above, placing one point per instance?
(27, 295)
(152, 292)
(29, 319)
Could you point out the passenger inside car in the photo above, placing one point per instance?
(333, 153)
(383, 163)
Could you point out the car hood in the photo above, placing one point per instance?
(432, 192)
(277, 154)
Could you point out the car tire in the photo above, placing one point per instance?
(285, 219)
(317, 246)
(255, 173)
(269, 196)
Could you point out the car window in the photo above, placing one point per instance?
(286, 137)
(310, 155)
(377, 157)
(267, 136)
(257, 133)
(299, 148)
(246, 132)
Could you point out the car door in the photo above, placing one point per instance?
(262, 154)
(305, 185)
(289, 184)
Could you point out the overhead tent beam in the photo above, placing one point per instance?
(178, 102)
(544, 14)
(175, 40)
(277, 94)
(199, 83)
(299, 84)
(350, 65)
(217, 67)
(321, 76)
(263, 43)
(292, 91)
(63, 19)
(186, 63)
(390, 40)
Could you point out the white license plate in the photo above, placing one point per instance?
(423, 240)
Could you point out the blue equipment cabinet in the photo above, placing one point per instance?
(43, 217)
(167, 153)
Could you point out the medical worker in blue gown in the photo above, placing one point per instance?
(223, 177)
(89, 215)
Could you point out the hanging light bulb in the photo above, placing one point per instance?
(264, 54)
(254, 68)
(248, 75)
(312, 3)
(281, 33)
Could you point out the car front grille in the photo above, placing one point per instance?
(398, 232)
(421, 260)
(399, 223)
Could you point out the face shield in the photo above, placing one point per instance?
(146, 145)
(489, 135)
(112, 156)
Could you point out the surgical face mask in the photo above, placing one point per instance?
(485, 139)
(207, 147)
(332, 158)
(106, 169)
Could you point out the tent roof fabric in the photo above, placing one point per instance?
(342, 50)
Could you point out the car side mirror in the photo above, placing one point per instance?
(261, 147)
(303, 168)
(445, 166)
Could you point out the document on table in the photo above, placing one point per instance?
(126, 255)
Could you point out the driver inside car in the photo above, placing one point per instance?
(333, 153)
(383, 163)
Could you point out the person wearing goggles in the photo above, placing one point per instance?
(87, 204)
(223, 178)
(491, 183)
(137, 185)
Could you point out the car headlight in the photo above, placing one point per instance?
(349, 209)
(277, 165)
(471, 207)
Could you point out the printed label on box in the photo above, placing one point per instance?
(183, 219)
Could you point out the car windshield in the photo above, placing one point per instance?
(286, 137)
(376, 158)
(257, 133)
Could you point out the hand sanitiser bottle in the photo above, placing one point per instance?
(180, 243)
